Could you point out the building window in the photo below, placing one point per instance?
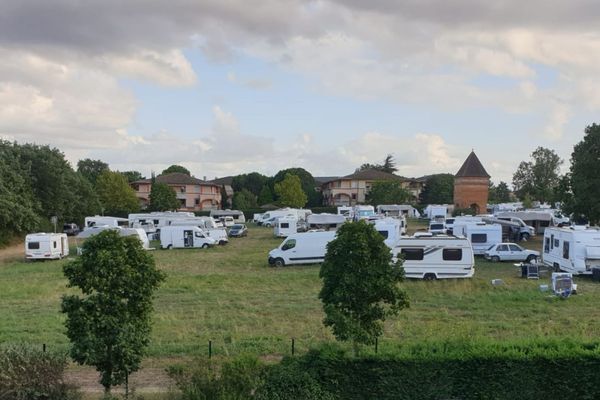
(197, 201)
(182, 189)
(353, 196)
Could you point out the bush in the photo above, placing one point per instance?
(462, 211)
(209, 380)
(28, 374)
(289, 382)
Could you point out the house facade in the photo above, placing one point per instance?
(352, 189)
(472, 185)
(193, 194)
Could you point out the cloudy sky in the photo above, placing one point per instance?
(231, 86)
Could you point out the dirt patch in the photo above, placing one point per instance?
(13, 252)
(146, 380)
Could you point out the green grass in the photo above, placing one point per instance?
(230, 296)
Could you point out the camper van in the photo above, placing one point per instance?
(364, 212)
(436, 212)
(207, 224)
(325, 221)
(482, 235)
(301, 248)
(285, 226)
(98, 220)
(346, 211)
(238, 216)
(390, 229)
(268, 219)
(398, 210)
(435, 257)
(574, 249)
(183, 237)
(46, 246)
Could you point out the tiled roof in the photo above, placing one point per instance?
(472, 168)
(177, 178)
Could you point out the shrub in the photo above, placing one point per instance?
(28, 374)
(288, 381)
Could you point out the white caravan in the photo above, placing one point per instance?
(208, 225)
(256, 218)
(574, 249)
(157, 218)
(139, 232)
(301, 248)
(434, 211)
(183, 237)
(325, 221)
(398, 210)
(98, 220)
(238, 216)
(346, 211)
(46, 246)
(482, 235)
(268, 218)
(364, 212)
(435, 257)
(390, 229)
(285, 226)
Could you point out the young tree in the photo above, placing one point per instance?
(439, 189)
(539, 177)
(176, 168)
(360, 284)
(244, 200)
(307, 182)
(290, 192)
(109, 323)
(91, 169)
(585, 180)
(163, 198)
(265, 196)
(387, 192)
(116, 196)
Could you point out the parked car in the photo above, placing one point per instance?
(71, 229)
(510, 252)
(238, 230)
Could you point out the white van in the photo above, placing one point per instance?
(482, 235)
(208, 225)
(364, 212)
(574, 249)
(435, 257)
(390, 229)
(285, 226)
(46, 246)
(183, 237)
(301, 248)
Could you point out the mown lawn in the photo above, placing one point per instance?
(230, 296)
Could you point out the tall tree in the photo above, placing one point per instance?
(244, 200)
(109, 323)
(91, 169)
(389, 165)
(500, 193)
(539, 177)
(266, 196)
(360, 285)
(290, 193)
(388, 192)
(163, 198)
(133, 176)
(176, 168)
(116, 196)
(253, 182)
(439, 189)
(307, 182)
(585, 180)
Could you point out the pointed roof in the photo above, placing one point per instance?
(472, 168)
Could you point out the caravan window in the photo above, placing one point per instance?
(478, 238)
(55, 245)
(412, 254)
(385, 234)
(452, 254)
(556, 243)
(566, 250)
(285, 225)
(290, 244)
(547, 245)
(33, 245)
(551, 241)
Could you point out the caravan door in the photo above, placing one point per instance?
(188, 238)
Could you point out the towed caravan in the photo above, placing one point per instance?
(301, 248)
(238, 216)
(46, 246)
(285, 226)
(435, 257)
(574, 249)
(481, 235)
(391, 229)
(325, 221)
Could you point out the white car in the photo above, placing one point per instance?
(510, 252)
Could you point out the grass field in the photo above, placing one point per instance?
(230, 296)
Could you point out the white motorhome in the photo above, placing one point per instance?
(183, 237)
(238, 216)
(256, 218)
(157, 218)
(434, 211)
(390, 229)
(139, 232)
(301, 248)
(99, 220)
(46, 246)
(325, 221)
(364, 212)
(398, 210)
(208, 225)
(574, 249)
(481, 235)
(268, 218)
(285, 226)
(435, 257)
(532, 222)
(346, 211)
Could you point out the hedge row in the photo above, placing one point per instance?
(537, 371)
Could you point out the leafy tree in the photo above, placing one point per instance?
(244, 200)
(91, 169)
(109, 324)
(500, 193)
(81, 199)
(438, 189)
(564, 194)
(388, 192)
(116, 196)
(163, 198)
(307, 181)
(389, 165)
(133, 176)
(539, 177)
(266, 196)
(254, 182)
(176, 168)
(360, 285)
(290, 192)
(585, 180)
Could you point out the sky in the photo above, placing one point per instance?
(224, 87)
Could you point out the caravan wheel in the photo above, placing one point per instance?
(429, 277)
(205, 246)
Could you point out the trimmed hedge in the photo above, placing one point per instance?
(524, 371)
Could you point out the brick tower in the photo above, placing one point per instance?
(471, 185)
